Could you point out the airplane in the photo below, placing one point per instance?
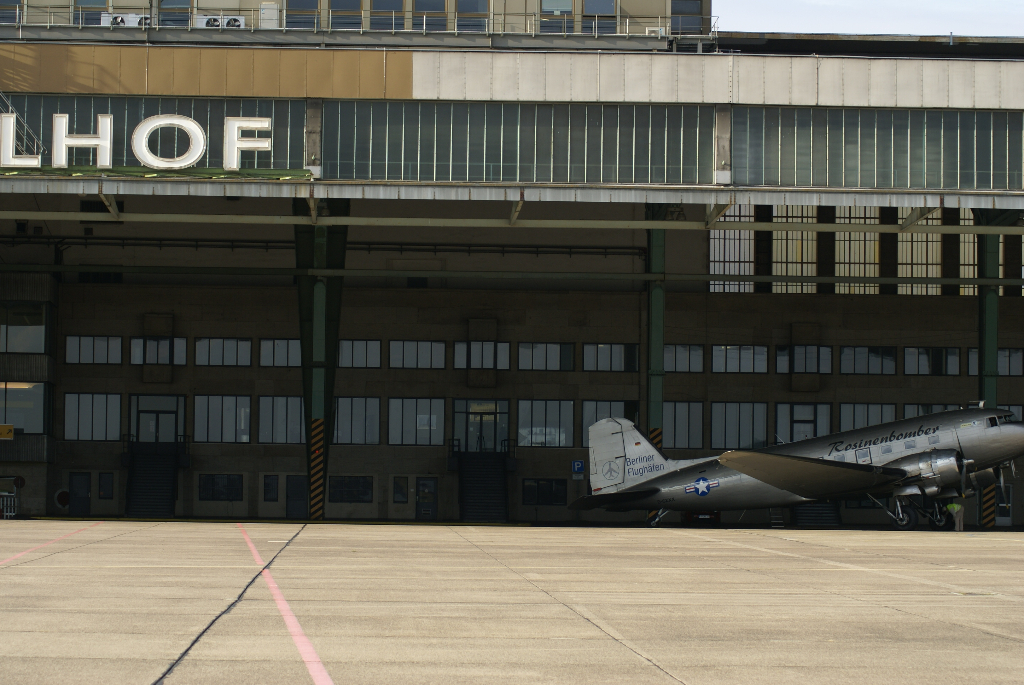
(940, 456)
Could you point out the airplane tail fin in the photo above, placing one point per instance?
(620, 457)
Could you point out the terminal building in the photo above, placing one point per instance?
(389, 259)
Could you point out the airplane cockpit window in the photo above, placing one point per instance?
(1009, 418)
(992, 422)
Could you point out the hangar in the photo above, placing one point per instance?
(389, 260)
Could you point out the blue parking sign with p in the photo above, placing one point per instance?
(577, 466)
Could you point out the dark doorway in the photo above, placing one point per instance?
(80, 487)
(157, 426)
(296, 492)
(426, 499)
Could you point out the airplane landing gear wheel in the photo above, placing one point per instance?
(654, 517)
(906, 520)
(945, 522)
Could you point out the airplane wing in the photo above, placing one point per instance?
(611, 499)
(811, 478)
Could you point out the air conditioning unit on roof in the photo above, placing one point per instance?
(658, 31)
(218, 21)
(125, 20)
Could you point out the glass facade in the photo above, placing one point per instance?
(518, 142)
(877, 148)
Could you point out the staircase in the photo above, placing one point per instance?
(777, 519)
(483, 487)
(152, 481)
(819, 514)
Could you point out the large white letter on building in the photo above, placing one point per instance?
(196, 142)
(8, 158)
(101, 140)
(234, 143)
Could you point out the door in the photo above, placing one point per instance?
(80, 487)
(426, 499)
(1004, 507)
(296, 493)
(157, 426)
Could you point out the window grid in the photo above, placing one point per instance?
(739, 359)
(24, 406)
(739, 425)
(803, 359)
(684, 358)
(867, 360)
(92, 416)
(93, 349)
(545, 423)
(545, 491)
(546, 356)
(911, 411)
(794, 253)
(732, 254)
(356, 421)
(223, 352)
(931, 361)
(350, 489)
(610, 357)
(857, 255)
(359, 354)
(796, 422)
(1009, 361)
(152, 350)
(415, 421)
(280, 352)
(282, 420)
(919, 255)
(855, 415)
(417, 354)
(225, 487)
(683, 425)
(222, 418)
(481, 354)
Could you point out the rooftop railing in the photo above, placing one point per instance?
(270, 16)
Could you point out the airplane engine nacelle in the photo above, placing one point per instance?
(930, 471)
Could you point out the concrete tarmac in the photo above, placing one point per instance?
(121, 601)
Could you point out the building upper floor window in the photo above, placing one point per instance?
(356, 421)
(359, 354)
(282, 420)
(739, 359)
(92, 416)
(682, 425)
(223, 352)
(346, 14)
(24, 406)
(739, 425)
(417, 354)
(931, 361)
(867, 360)
(610, 357)
(222, 418)
(1009, 361)
(545, 356)
(795, 422)
(853, 416)
(803, 359)
(480, 425)
(545, 423)
(221, 487)
(415, 421)
(280, 352)
(93, 349)
(350, 489)
(684, 358)
(598, 410)
(481, 355)
(545, 491)
(911, 411)
(23, 327)
(158, 351)
(686, 17)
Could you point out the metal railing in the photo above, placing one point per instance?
(26, 142)
(276, 17)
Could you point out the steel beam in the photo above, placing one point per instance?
(715, 212)
(988, 319)
(655, 336)
(916, 216)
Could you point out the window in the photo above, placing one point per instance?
(1009, 361)
(598, 17)
(400, 490)
(280, 352)
(270, 484)
(220, 488)
(731, 253)
(594, 411)
(686, 17)
(175, 12)
(739, 359)
(480, 425)
(106, 485)
(387, 15)
(356, 421)
(546, 356)
(795, 422)
(93, 349)
(684, 358)
(23, 405)
(857, 255)
(92, 416)
(794, 253)
(803, 359)
(481, 355)
(738, 425)
(556, 16)
(545, 423)
(415, 421)
(23, 328)
(350, 489)
(545, 491)
(223, 352)
(282, 420)
(89, 12)
(931, 361)
(429, 15)
(919, 255)
(346, 14)
(867, 360)
(158, 351)
(682, 425)
(610, 357)
(10, 10)
(1015, 408)
(302, 14)
(359, 354)
(911, 411)
(472, 15)
(853, 416)
(417, 354)
(222, 418)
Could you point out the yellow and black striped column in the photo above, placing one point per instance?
(988, 507)
(316, 470)
(656, 437)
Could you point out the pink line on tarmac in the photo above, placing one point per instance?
(306, 650)
(21, 554)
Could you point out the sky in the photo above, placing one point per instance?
(920, 17)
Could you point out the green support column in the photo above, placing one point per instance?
(319, 247)
(655, 327)
(988, 319)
